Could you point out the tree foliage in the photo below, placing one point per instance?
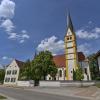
(39, 68)
(93, 66)
(2, 75)
(26, 71)
(78, 74)
(44, 65)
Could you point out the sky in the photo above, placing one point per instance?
(29, 26)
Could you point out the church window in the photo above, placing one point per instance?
(85, 70)
(71, 71)
(67, 38)
(49, 78)
(60, 73)
(70, 38)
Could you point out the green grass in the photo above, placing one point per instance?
(98, 85)
(2, 97)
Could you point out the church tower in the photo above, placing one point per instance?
(70, 49)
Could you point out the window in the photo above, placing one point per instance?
(14, 72)
(8, 72)
(60, 73)
(71, 71)
(13, 79)
(67, 38)
(7, 79)
(70, 38)
(85, 70)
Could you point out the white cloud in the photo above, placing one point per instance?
(25, 36)
(19, 37)
(24, 31)
(7, 25)
(6, 58)
(57, 46)
(51, 44)
(7, 8)
(13, 36)
(21, 41)
(85, 48)
(93, 34)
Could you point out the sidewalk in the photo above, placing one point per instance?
(91, 93)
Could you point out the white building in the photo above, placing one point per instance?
(12, 72)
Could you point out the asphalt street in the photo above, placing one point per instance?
(21, 94)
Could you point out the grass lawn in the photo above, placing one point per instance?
(98, 85)
(2, 97)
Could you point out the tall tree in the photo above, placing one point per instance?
(2, 75)
(78, 74)
(44, 65)
(26, 71)
(93, 66)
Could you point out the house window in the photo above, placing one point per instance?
(13, 79)
(8, 72)
(60, 73)
(7, 79)
(14, 72)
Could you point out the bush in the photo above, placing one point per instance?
(98, 78)
(98, 85)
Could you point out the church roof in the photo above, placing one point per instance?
(60, 60)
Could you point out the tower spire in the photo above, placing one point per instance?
(69, 22)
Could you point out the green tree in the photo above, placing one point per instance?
(78, 74)
(93, 66)
(2, 75)
(43, 65)
(26, 71)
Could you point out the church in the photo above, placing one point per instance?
(65, 63)
(70, 61)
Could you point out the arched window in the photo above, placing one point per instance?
(60, 73)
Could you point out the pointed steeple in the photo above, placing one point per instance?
(69, 22)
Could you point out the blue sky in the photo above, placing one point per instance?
(30, 25)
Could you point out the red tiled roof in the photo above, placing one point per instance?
(60, 60)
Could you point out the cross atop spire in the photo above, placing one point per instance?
(69, 22)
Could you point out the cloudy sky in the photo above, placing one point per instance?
(27, 26)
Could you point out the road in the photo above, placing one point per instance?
(21, 94)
